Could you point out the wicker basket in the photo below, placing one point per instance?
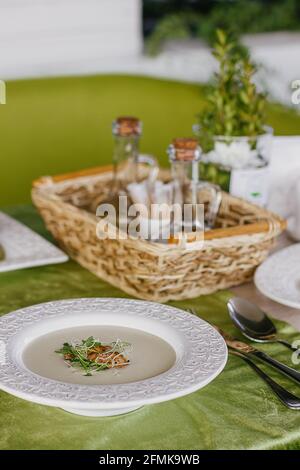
(148, 270)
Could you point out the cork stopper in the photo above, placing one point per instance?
(184, 149)
(126, 126)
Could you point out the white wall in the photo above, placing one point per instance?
(48, 37)
(58, 37)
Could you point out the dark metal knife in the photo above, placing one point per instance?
(245, 348)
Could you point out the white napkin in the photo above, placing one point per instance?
(157, 193)
(284, 197)
(294, 219)
(152, 224)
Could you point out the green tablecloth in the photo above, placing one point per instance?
(236, 411)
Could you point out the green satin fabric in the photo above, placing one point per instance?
(235, 411)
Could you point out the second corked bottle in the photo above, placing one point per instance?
(184, 156)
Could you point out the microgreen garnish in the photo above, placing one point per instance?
(93, 356)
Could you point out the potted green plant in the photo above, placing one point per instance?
(232, 131)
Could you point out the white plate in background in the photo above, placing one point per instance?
(278, 278)
(25, 248)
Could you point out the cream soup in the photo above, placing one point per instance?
(149, 355)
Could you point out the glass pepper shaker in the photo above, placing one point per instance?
(184, 157)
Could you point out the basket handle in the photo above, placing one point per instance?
(261, 226)
(72, 175)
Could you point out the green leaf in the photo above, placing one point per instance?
(234, 106)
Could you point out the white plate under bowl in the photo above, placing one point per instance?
(201, 354)
(278, 278)
(25, 248)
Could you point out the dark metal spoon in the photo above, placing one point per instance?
(253, 322)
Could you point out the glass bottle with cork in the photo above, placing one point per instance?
(127, 159)
(127, 162)
(184, 156)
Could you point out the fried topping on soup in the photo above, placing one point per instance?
(90, 355)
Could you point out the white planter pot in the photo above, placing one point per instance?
(240, 165)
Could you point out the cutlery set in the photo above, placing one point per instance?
(256, 326)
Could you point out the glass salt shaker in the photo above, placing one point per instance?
(184, 156)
